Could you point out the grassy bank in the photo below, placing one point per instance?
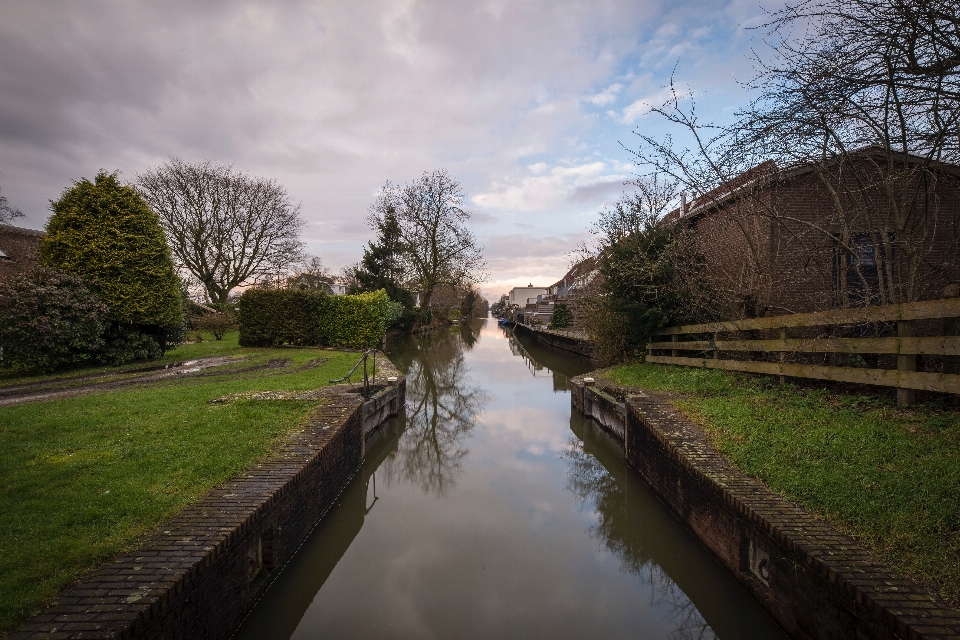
(887, 476)
(84, 477)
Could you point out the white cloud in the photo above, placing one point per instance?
(549, 189)
(605, 97)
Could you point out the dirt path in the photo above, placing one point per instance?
(62, 387)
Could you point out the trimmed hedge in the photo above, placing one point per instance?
(271, 317)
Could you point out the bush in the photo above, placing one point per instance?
(561, 316)
(104, 231)
(271, 317)
(359, 320)
(216, 323)
(50, 320)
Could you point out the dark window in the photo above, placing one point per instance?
(859, 265)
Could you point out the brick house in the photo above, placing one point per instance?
(814, 237)
(18, 250)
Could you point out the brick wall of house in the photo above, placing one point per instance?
(762, 267)
(20, 247)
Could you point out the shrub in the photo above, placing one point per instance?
(50, 320)
(561, 316)
(216, 323)
(271, 317)
(358, 320)
(104, 231)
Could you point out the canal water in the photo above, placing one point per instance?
(488, 510)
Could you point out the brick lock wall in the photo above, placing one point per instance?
(816, 583)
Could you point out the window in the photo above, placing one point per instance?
(861, 271)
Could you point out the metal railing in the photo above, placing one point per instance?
(366, 379)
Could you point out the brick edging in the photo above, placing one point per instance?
(201, 575)
(816, 582)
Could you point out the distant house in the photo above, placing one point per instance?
(18, 250)
(812, 237)
(522, 296)
(576, 280)
(336, 288)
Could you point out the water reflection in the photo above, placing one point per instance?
(442, 407)
(463, 523)
(560, 365)
(601, 490)
(684, 582)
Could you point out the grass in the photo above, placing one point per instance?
(889, 477)
(85, 477)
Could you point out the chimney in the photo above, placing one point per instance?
(683, 203)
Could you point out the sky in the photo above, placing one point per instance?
(533, 105)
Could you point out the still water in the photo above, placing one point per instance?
(489, 511)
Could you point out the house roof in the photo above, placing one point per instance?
(768, 169)
(578, 270)
(27, 232)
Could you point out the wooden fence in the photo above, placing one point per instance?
(906, 345)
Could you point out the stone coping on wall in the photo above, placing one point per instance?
(200, 574)
(888, 604)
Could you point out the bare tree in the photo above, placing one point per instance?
(310, 274)
(866, 100)
(435, 246)
(225, 227)
(8, 213)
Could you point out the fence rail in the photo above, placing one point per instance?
(907, 346)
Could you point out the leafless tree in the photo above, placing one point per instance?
(436, 248)
(225, 227)
(8, 213)
(865, 96)
(310, 274)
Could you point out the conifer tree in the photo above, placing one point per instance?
(104, 231)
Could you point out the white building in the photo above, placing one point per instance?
(522, 296)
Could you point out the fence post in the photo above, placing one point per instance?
(716, 352)
(673, 352)
(951, 327)
(783, 356)
(906, 362)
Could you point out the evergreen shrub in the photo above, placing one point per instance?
(50, 320)
(271, 317)
(104, 231)
(358, 320)
(561, 316)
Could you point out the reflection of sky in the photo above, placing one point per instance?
(507, 551)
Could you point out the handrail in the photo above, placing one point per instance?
(363, 361)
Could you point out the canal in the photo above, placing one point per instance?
(488, 510)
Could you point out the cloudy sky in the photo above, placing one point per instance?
(528, 103)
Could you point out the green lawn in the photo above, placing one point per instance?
(887, 476)
(85, 477)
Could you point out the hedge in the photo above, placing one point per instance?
(271, 317)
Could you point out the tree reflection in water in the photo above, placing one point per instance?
(603, 493)
(441, 411)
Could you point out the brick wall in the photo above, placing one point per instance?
(816, 583)
(769, 249)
